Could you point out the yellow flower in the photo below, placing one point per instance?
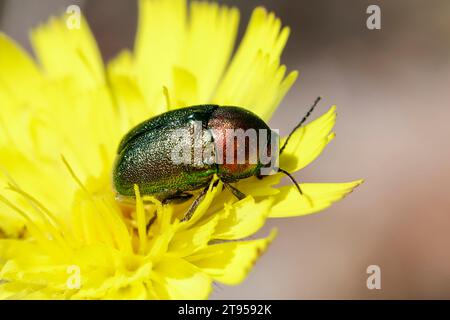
(63, 234)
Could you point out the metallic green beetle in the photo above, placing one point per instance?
(145, 154)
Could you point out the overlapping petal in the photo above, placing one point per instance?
(255, 79)
(71, 53)
(308, 142)
(230, 262)
(316, 197)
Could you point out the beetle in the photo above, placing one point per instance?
(145, 156)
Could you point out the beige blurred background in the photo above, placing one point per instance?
(392, 89)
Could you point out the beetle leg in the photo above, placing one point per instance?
(178, 198)
(150, 222)
(238, 194)
(195, 204)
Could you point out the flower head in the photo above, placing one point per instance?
(62, 232)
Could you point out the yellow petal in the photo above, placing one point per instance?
(177, 279)
(135, 291)
(17, 290)
(307, 142)
(15, 168)
(109, 279)
(188, 241)
(18, 71)
(259, 187)
(204, 205)
(211, 34)
(12, 225)
(242, 219)
(230, 262)
(255, 79)
(185, 88)
(167, 42)
(59, 134)
(126, 92)
(68, 52)
(316, 197)
(18, 74)
(159, 40)
(97, 219)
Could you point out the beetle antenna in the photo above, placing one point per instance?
(292, 179)
(301, 122)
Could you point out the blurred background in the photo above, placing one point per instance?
(392, 89)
